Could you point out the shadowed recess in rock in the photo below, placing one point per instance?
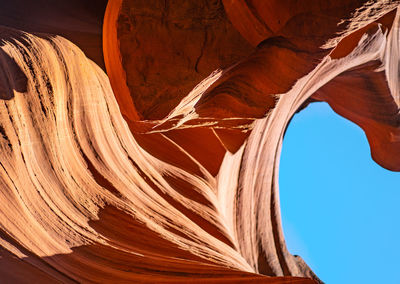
(141, 142)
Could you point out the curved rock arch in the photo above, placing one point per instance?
(129, 177)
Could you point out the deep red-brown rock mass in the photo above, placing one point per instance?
(140, 139)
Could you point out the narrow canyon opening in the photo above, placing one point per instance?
(339, 208)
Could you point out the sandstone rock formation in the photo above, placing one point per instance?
(159, 163)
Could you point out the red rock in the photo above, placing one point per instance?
(164, 170)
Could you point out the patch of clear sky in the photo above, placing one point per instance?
(340, 210)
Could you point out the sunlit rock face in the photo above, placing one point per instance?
(140, 140)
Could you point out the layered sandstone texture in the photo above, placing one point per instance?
(140, 139)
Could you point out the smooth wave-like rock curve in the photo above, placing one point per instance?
(165, 169)
(82, 201)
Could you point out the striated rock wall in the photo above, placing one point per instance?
(159, 164)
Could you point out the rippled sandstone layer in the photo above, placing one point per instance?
(140, 140)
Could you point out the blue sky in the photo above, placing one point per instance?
(340, 210)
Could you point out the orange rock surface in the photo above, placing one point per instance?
(140, 140)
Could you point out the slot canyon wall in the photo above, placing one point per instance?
(140, 139)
